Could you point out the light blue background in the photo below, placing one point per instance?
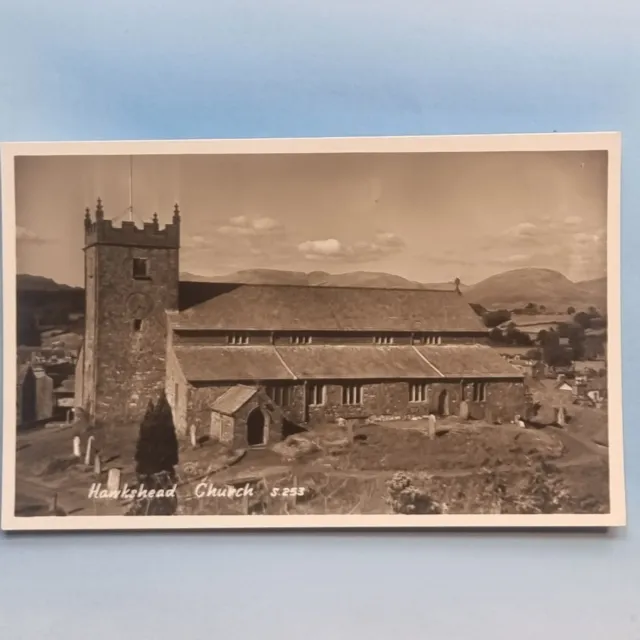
(88, 70)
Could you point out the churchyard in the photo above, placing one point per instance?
(452, 466)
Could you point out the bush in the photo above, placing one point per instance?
(405, 498)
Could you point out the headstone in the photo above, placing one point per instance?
(521, 424)
(97, 465)
(432, 426)
(88, 456)
(464, 410)
(193, 438)
(562, 418)
(113, 480)
(77, 453)
(350, 425)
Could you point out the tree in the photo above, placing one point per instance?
(144, 444)
(583, 319)
(157, 447)
(495, 335)
(494, 318)
(28, 332)
(571, 311)
(478, 309)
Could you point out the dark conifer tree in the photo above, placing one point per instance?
(144, 446)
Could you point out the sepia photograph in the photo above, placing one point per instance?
(375, 332)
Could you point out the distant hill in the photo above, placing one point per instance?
(541, 286)
(320, 279)
(27, 282)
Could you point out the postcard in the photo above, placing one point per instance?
(313, 333)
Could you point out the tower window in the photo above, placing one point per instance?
(140, 268)
(137, 324)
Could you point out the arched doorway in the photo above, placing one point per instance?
(443, 403)
(256, 428)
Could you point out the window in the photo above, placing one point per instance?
(237, 338)
(431, 340)
(383, 339)
(479, 391)
(300, 339)
(137, 324)
(352, 394)
(140, 268)
(280, 394)
(418, 392)
(317, 394)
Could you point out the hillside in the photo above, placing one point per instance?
(27, 282)
(320, 279)
(541, 286)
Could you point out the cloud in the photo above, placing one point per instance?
(522, 231)
(26, 235)
(249, 226)
(382, 245)
(572, 220)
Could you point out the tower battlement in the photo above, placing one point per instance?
(102, 231)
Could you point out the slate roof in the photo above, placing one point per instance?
(233, 399)
(336, 362)
(210, 364)
(468, 361)
(249, 307)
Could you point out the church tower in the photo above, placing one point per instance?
(131, 280)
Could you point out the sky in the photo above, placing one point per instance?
(427, 217)
(77, 70)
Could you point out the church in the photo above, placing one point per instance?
(247, 364)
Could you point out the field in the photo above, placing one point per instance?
(468, 467)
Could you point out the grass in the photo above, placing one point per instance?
(468, 468)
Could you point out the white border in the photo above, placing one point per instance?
(610, 142)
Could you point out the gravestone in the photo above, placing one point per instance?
(432, 426)
(97, 465)
(193, 437)
(113, 480)
(77, 452)
(464, 410)
(88, 456)
(562, 418)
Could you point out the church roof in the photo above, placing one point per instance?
(208, 364)
(468, 360)
(341, 362)
(349, 362)
(249, 307)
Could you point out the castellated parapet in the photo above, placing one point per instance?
(101, 231)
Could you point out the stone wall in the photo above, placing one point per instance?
(380, 400)
(125, 343)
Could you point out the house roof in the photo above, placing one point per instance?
(307, 308)
(233, 399)
(208, 364)
(341, 362)
(468, 361)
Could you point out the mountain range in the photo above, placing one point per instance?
(509, 289)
